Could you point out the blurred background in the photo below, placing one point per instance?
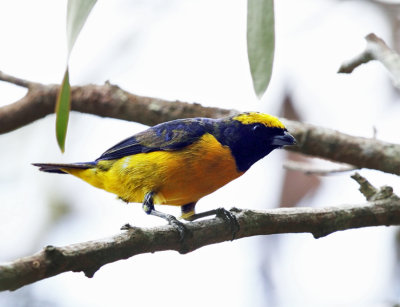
(195, 51)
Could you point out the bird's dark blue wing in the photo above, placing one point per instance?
(171, 135)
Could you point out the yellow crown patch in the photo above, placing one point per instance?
(261, 118)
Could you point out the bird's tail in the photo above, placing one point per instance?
(61, 168)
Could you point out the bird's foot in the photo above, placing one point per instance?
(230, 219)
(179, 226)
(127, 226)
(227, 216)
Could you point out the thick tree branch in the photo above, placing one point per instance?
(88, 257)
(110, 101)
(103, 100)
(340, 147)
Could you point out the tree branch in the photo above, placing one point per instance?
(111, 101)
(309, 169)
(103, 100)
(382, 209)
(376, 49)
(340, 147)
(17, 81)
(108, 100)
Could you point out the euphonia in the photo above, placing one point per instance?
(178, 162)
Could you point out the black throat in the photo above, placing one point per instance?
(246, 146)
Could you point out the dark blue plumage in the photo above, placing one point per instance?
(171, 135)
(247, 142)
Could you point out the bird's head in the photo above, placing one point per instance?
(252, 135)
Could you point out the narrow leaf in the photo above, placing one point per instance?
(260, 42)
(63, 106)
(77, 13)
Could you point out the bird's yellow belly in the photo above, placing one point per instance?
(176, 177)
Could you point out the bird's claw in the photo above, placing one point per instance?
(127, 226)
(180, 227)
(229, 218)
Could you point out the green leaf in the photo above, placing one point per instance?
(260, 42)
(77, 13)
(63, 106)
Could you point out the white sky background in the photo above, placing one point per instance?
(195, 51)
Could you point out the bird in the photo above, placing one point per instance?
(180, 161)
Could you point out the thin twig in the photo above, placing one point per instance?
(366, 188)
(376, 49)
(370, 192)
(310, 169)
(17, 81)
(348, 66)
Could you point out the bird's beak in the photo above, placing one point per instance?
(283, 140)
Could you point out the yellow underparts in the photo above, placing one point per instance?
(176, 177)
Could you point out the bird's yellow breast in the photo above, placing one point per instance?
(177, 177)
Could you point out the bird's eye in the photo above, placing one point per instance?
(257, 128)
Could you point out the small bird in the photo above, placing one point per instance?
(179, 162)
